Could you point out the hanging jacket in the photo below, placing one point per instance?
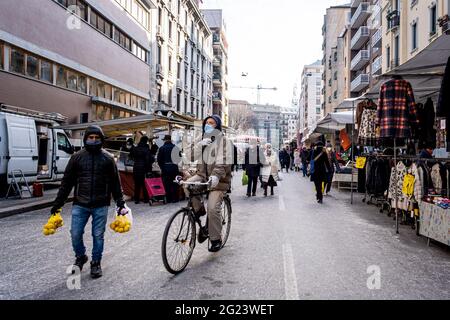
(436, 178)
(395, 187)
(443, 107)
(396, 111)
(418, 192)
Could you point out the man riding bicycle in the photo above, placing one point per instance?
(213, 154)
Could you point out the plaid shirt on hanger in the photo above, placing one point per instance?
(396, 113)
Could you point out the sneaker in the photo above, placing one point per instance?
(96, 269)
(79, 262)
(248, 195)
(253, 194)
(216, 245)
(202, 234)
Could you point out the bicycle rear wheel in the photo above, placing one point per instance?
(226, 220)
(178, 241)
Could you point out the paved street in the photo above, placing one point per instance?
(281, 247)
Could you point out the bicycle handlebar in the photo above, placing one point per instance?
(181, 182)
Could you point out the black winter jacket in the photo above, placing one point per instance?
(166, 158)
(94, 176)
(143, 159)
(253, 161)
(322, 165)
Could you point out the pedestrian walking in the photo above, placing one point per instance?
(320, 166)
(334, 167)
(168, 157)
(284, 159)
(297, 160)
(93, 173)
(269, 171)
(291, 158)
(125, 152)
(143, 162)
(304, 157)
(252, 167)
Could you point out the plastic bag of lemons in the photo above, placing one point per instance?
(54, 222)
(123, 220)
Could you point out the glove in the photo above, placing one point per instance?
(214, 181)
(205, 142)
(55, 210)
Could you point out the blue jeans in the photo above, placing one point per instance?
(304, 168)
(80, 217)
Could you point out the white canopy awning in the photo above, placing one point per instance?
(335, 121)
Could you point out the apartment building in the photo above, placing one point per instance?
(335, 20)
(183, 58)
(288, 124)
(88, 60)
(217, 24)
(268, 124)
(409, 27)
(311, 98)
(365, 46)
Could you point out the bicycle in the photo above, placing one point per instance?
(180, 234)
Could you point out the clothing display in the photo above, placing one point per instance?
(443, 107)
(396, 113)
(427, 122)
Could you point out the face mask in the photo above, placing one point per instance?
(93, 146)
(209, 128)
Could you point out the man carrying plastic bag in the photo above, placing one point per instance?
(93, 173)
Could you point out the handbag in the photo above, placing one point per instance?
(244, 179)
(312, 163)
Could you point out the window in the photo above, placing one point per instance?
(100, 89)
(93, 20)
(46, 71)
(433, 20)
(17, 63)
(108, 91)
(32, 66)
(1, 55)
(93, 87)
(72, 80)
(134, 101)
(414, 36)
(61, 77)
(388, 56)
(63, 143)
(82, 84)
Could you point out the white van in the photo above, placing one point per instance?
(30, 143)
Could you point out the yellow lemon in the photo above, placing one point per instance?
(45, 231)
(51, 231)
(121, 230)
(126, 229)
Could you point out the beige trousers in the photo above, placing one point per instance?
(214, 210)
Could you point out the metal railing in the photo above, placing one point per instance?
(376, 65)
(362, 8)
(363, 57)
(360, 82)
(377, 37)
(362, 32)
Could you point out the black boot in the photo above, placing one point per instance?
(202, 234)
(79, 262)
(96, 269)
(271, 192)
(216, 245)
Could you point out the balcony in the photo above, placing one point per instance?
(179, 84)
(361, 14)
(360, 60)
(393, 20)
(444, 24)
(360, 83)
(217, 97)
(180, 52)
(160, 71)
(355, 3)
(193, 93)
(377, 38)
(217, 62)
(217, 79)
(376, 66)
(360, 38)
(193, 65)
(160, 33)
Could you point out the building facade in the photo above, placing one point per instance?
(335, 20)
(409, 27)
(216, 22)
(311, 98)
(268, 124)
(365, 45)
(182, 59)
(88, 60)
(288, 124)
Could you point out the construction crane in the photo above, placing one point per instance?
(258, 88)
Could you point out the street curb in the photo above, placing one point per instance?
(31, 207)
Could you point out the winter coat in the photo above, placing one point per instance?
(396, 186)
(443, 107)
(297, 159)
(253, 161)
(167, 155)
(426, 131)
(142, 158)
(322, 165)
(334, 164)
(396, 111)
(216, 159)
(418, 193)
(271, 166)
(285, 158)
(95, 178)
(304, 155)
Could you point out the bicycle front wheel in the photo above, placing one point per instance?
(178, 241)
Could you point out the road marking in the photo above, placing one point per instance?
(290, 279)
(281, 204)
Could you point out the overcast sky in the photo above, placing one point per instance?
(271, 40)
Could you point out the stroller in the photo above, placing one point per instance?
(155, 188)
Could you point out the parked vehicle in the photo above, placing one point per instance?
(30, 143)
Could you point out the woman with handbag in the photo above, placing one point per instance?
(269, 171)
(319, 166)
(252, 167)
